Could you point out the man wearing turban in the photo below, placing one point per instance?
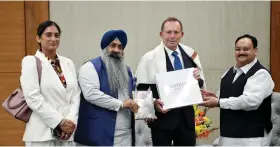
(106, 109)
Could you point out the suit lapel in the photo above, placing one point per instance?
(51, 74)
(44, 60)
(187, 61)
(169, 65)
(191, 54)
(65, 67)
(65, 71)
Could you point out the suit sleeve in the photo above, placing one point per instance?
(75, 99)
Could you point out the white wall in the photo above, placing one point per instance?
(210, 28)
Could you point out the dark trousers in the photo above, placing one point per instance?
(181, 136)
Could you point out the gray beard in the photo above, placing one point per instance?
(117, 74)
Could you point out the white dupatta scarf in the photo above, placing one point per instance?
(154, 62)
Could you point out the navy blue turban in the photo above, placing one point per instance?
(111, 35)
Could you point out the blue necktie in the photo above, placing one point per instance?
(177, 62)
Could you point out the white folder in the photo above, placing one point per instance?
(178, 88)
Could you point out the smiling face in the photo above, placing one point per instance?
(171, 34)
(115, 49)
(49, 39)
(245, 53)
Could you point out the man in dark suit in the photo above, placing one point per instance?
(176, 125)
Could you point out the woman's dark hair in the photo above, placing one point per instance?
(42, 27)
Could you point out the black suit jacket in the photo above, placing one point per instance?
(171, 119)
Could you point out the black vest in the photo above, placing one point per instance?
(240, 123)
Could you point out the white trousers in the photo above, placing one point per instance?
(258, 141)
(50, 143)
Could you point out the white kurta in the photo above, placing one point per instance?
(89, 82)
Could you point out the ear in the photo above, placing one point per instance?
(38, 39)
(161, 33)
(256, 51)
(182, 34)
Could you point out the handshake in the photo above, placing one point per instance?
(130, 104)
(64, 130)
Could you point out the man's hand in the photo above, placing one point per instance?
(210, 101)
(206, 93)
(126, 103)
(196, 74)
(150, 120)
(158, 104)
(134, 106)
(130, 104)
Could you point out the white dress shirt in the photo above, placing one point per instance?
(90, 86)
(258, 87)
(172, 58)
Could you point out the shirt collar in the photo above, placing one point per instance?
(169, 51)
(246, 67)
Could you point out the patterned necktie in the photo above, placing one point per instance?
(177, 62)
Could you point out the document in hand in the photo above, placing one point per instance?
(178, 88)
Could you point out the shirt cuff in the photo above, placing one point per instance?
(120, 105)
(224, 103)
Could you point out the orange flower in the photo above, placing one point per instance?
(202, 123)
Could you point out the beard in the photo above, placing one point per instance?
(117, 73)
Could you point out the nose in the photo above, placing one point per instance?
(53, 38)
(241, 52)
(172, 35)
(116, 49)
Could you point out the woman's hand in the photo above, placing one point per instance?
(67, 127)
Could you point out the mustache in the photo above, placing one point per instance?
(242, 55)
(115, 55)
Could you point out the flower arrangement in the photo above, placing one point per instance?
(202, 123)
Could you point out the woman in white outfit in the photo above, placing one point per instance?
(55, 99)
